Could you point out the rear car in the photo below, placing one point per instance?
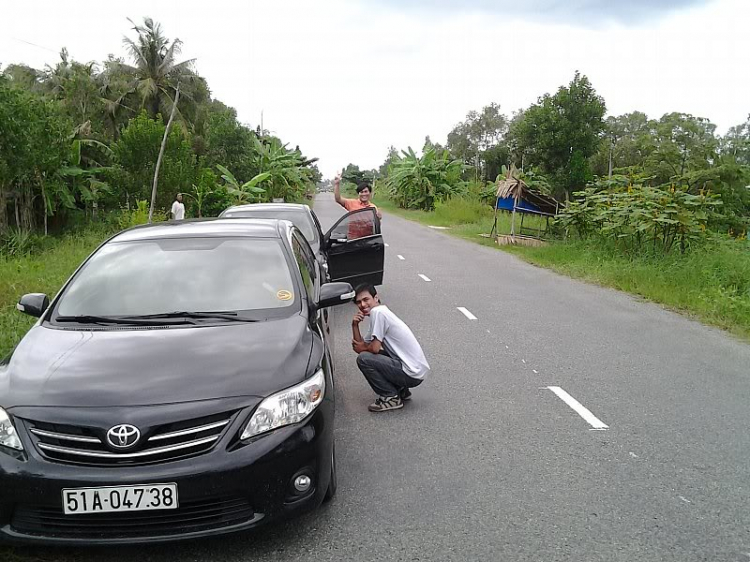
(352, 250)
(179, 385)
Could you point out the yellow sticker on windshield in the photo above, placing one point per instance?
(284, 295)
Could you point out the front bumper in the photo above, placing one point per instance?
(227, 489)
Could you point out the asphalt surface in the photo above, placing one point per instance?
(487, 462)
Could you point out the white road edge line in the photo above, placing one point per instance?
(466, 313)
(399, 256)
(579, 408)
(424, 277)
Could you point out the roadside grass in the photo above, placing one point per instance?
(43, 273)
(710, 283)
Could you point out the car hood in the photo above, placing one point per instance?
(126, 367)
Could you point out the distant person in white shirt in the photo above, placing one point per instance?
(390, 358)
(178, 209)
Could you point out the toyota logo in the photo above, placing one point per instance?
(123, 436)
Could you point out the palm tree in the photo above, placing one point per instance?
(114, 89)
(76, 86)
(156, 72)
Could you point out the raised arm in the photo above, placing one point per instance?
(337, 190)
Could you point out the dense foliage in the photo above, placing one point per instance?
(81, 140)
(564, 146)
(640, 217)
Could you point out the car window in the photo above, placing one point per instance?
(306, 265)
(186, 274)
(359, 224)
(300, 219)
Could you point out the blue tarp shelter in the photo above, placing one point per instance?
(514, 196)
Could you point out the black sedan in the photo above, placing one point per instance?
(356, 232)
(179, 385)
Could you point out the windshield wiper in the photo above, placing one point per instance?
(91, 319)
(231, 316)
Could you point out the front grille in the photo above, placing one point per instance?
(190, 517)
(86, 445)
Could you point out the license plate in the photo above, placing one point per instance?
(110, 499)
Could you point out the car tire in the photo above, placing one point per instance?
(332, 483)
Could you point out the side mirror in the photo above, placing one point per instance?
(332, 294)
(330, 242)
(33, 304)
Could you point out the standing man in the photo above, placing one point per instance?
(178, 208)
(390, 358)
(363, 202)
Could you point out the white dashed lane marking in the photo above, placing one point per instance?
(424, 277)
(466, 313)
(579, 408)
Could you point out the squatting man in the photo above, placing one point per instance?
(390, 357)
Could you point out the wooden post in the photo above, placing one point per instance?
(513, 223)
(161, 154)
(494, 225)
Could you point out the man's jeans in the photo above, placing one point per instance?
(385, 375)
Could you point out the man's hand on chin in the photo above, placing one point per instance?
(358, 318)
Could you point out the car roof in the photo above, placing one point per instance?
(268, 207)
(200, 228)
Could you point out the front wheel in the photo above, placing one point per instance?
(332, 484)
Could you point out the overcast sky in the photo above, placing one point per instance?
(347, 79)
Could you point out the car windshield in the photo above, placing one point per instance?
(300, 219)
(185, 274)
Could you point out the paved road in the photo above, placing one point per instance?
(489, 463)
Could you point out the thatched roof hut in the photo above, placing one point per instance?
(514, 194)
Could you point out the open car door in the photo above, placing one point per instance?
(355, 248)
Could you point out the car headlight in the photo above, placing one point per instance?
(287, 407)
(8, 436)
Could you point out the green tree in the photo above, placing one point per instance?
(116, 96)
(626, 143)
(735, 145)
(222, 139)
(471, 139)
(136, 152)
(383, 171)
(76, 86)
(681, 144)
(562, 131)
(33, 147)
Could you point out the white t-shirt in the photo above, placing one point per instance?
(399, 341)
(178, 211)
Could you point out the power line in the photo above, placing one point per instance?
(34, 45)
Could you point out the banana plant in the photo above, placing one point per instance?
(247, 192)
(84, 180)
(419, 182)
(288, 170)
